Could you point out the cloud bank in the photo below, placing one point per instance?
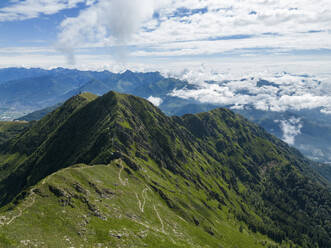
(260, 90)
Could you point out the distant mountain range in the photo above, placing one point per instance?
(24, 91)
(115, 171)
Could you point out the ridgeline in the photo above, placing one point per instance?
(115, 171)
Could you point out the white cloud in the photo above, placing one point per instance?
(27, 9)
(155, 100)
(280, 91)
(269, 44)
(194, 27)
(109, 22)
(163, 28)
(291, 128)
(289, 20)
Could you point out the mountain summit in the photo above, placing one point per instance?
(116, 171)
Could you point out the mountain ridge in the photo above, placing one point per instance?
(309, 136)
(218, 160)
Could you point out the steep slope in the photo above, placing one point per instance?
(226, 178)
(10, 129)
(18, 151)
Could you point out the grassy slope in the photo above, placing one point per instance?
(105, 205)
(8, 130)
(212, 169)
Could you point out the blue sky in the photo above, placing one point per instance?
(92, 33)
(39, 29)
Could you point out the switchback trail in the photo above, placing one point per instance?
(161, 221)
(22, 209)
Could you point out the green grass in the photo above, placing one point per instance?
(121, 222)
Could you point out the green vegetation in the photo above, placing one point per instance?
(9, 130)
(117, 172)
(90, 205)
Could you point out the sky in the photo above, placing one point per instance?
(143, 33)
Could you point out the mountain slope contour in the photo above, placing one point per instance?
(217, 172)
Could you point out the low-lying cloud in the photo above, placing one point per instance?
(260, 90)
(290, 128)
